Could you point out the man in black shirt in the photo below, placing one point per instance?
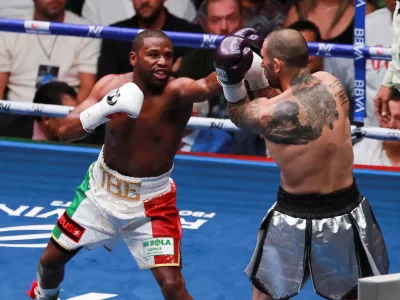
(114, 57)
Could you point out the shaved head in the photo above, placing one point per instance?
(289, 46)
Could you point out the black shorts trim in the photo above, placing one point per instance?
(59, 247)
(318, 206)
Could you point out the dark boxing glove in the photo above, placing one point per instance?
(233, 58)
(255, 76)
(250, 34)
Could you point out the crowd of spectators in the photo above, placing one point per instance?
(63, 69)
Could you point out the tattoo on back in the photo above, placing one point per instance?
(288, 126)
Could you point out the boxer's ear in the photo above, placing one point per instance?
(132, 58)
(277, 64)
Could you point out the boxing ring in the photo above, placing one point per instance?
(222, 199)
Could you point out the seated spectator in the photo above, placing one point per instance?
(375, 23)
(335, 19)
(57, 93)
(311, 33)
(15, 9)
(381, 153)
(105, 12)
(222, 17)
(28, 60)
(114, 57)
(264, 16)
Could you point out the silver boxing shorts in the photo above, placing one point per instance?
(332, 237)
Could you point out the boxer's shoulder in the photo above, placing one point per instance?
(109, 83)
(174, 86)
(325, 77)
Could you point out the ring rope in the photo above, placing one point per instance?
(50, 110)
(192, 40)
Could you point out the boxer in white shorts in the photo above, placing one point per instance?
(127, 193)
(108, 206)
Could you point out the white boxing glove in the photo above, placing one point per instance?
(126, 99)
(255, 75)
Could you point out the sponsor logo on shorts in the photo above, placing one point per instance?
(70, 228)
(158, 246)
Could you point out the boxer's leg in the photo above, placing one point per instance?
(51, 265)
(258, 295)
(81, 225)
(171, 282)
(154, 241)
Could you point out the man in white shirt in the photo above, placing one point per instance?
(381, 153)
(13, 9)
(29, 60)
(376, 23)
(106, 12)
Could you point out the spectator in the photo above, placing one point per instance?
(57, 93)
(15, 9)
(375, 23)
(377, 152)
(114, 57)
(311, 33)
(27, 60)
(105, 12)
(263, 15)
(222, 17)
(335, 19)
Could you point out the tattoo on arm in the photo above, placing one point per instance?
(245, 114)
(339, 93)
(301, 120)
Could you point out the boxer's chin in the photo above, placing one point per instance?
(158, 84)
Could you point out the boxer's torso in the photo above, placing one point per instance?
(322, 163)
(146, 146)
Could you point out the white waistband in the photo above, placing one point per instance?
(129, 188)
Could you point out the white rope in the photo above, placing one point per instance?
(40, 110)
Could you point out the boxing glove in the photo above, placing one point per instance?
(250, 34)
(233, 58)
(126, 99)
(255, 76)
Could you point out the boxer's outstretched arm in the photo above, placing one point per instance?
(71, 128)
(191, 91)
(248, 115)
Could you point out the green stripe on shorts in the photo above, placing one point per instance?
(56, 232)
(80, 192)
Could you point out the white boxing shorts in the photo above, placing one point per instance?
(109, 206)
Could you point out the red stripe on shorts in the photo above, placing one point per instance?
(165, 222)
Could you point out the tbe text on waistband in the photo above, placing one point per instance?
(118, 187)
